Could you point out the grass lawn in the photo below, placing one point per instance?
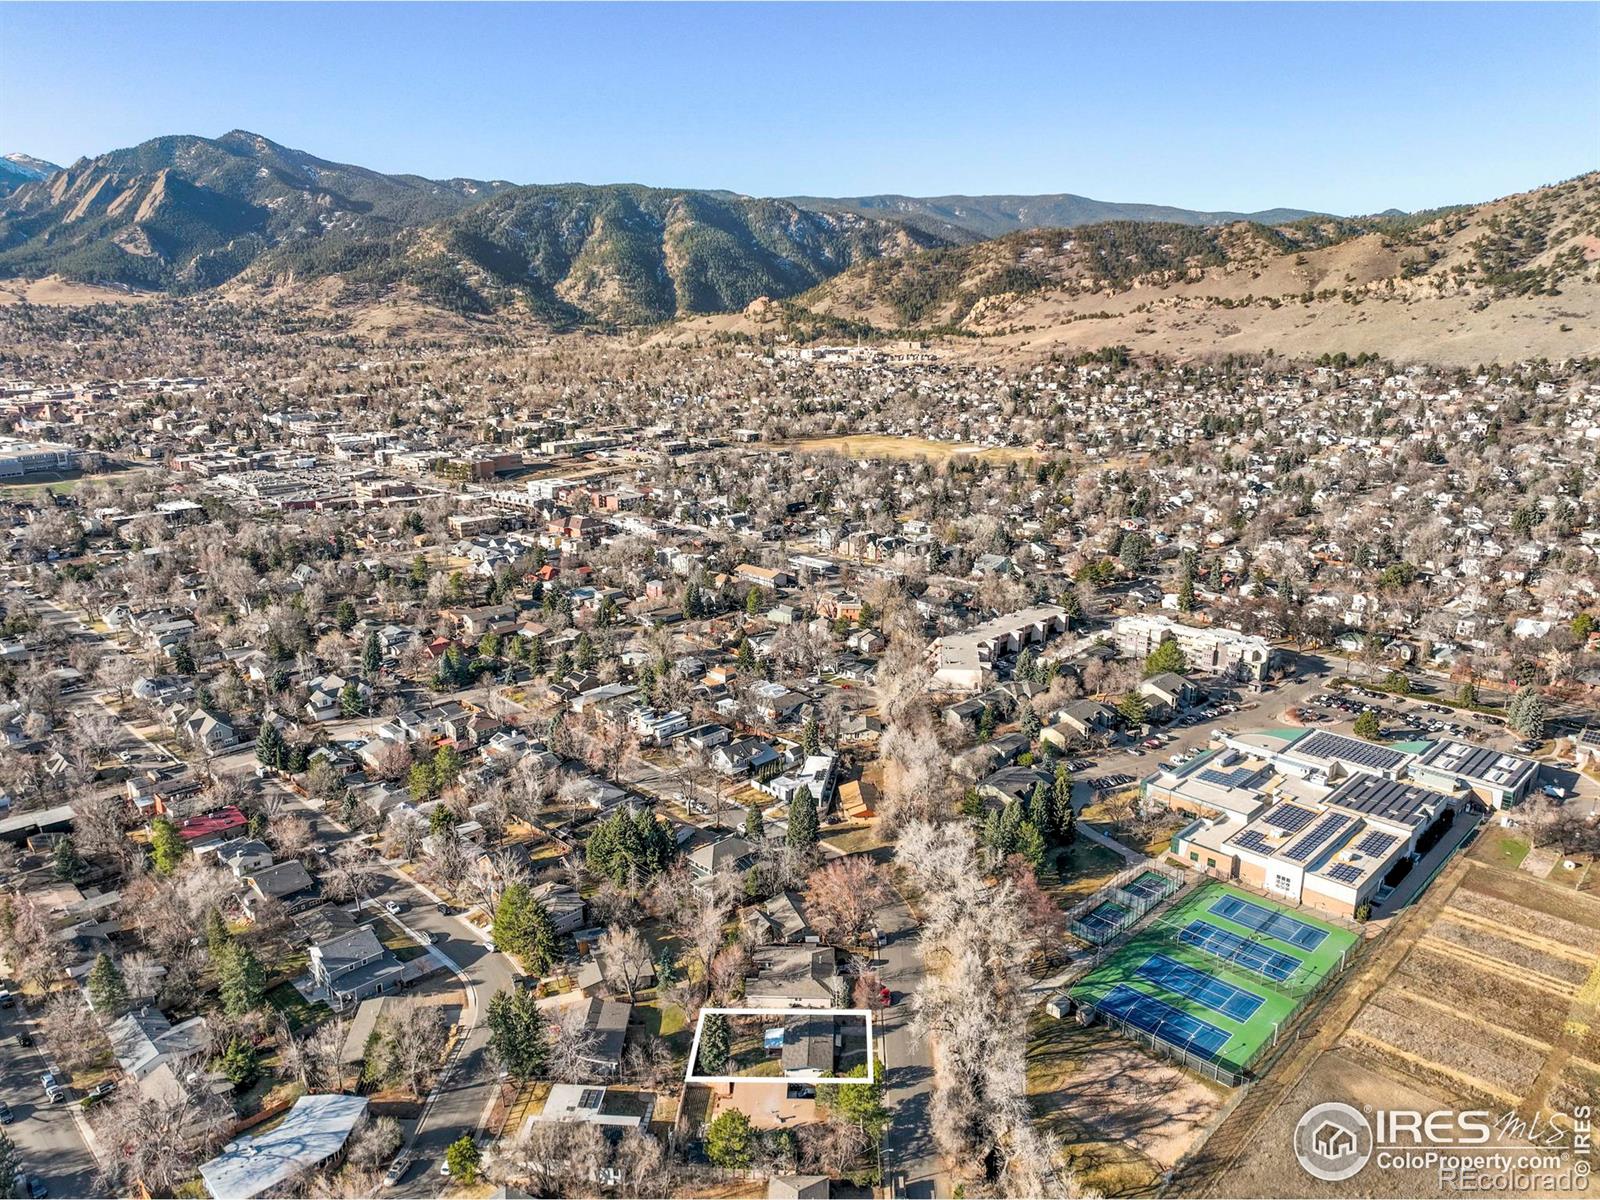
(394, 938)
(860, 838)
(293, 1005)
(1273, 1003)
(1080, 869)
(668, 1022)
(1502, 848)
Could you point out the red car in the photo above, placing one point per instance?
(884, 997)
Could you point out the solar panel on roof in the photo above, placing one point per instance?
(1376, 843)
(1320, 833)
(1289, 818)
(1323, 744)
(1344, 873)
(1253, 839)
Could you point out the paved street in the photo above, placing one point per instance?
(46, 1135)
(911, 1164)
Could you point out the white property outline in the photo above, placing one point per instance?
(700, 1024)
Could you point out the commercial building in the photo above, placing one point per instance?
(965, 661)
(1210, 649)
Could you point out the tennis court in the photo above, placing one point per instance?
(1170, 1024)
(1200, 987)
(1230, 947)
(1221, 957)
(1272, 923)
(1150, 886)
(1105, 920)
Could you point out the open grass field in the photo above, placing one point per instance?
(1232, 1008)
(883, 445)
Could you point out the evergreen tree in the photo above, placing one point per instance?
(1133, 708)
(716, 1041)
(1468, 695)
(1031, 725)
(1527, 713)
(65, 863)
(859, 1104)
(746, 658)
(239, 1064)
(10, 1165)
(242, 980)
(523, 927)
(517, 1034)
(730, 1140)
(986, 723)
(420, 783)
(1041, 810)
(1031, 844)
(345, 616)
(1168, 656)
(802, 833)
(218, 939)
(1367, 727)
(107, 988)
(811, 736)
(350, 704)
(167, 846)
(752, 602)
(1186, 593)
(269, 744)
(755, 824)
(1063, 819)
(463, 1157)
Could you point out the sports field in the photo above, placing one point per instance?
(1217, 973)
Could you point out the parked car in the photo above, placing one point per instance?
(103, 1088)
(397, 1170)
(394, 906)
(37, 1188)
(7, 1000)
(444, 909)
(6, 1115)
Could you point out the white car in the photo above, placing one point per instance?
(393, 906)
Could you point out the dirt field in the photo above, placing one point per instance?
(1123, 1117)
(1487, 995)
(875, 445)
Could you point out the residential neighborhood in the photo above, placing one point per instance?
(405, 757)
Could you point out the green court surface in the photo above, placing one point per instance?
(1262, 958)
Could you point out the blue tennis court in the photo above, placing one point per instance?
(1150, 886)
(1182, 980)
(1170, 1024)
(1105, 920)
(1272, 924)
(1231, 948)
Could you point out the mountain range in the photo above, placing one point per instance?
(184, 213)
(254, 219)
(978, 218)
(18, 169)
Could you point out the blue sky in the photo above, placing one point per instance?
(1345, 108)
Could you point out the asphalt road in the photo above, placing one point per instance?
(910, 1160)
(46, 1135)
